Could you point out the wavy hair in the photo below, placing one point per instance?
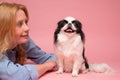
(7, 29)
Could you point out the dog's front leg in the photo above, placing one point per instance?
(60, 64)
(76, 66)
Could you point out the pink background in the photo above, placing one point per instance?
(101, 25)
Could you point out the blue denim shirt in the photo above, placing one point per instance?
(11, 71)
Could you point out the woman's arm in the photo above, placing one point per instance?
(11, 71)
(45, 61)
(43, 68)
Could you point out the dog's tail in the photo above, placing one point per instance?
(100, 68)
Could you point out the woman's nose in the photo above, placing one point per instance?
(26, 28)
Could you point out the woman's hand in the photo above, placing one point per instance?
(51, 65)
(47, 66)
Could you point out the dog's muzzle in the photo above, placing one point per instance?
(69, 29)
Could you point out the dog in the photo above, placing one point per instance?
(69, 40)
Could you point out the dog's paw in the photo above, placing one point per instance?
(59, 72)
(85, 71)
(74, 74)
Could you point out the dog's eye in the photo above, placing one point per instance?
(62, 23)
(76, 23)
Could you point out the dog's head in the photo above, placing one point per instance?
(69, 26)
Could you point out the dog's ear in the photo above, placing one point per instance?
(61, 23)
(78, 25)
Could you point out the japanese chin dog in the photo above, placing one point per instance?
(69, 40)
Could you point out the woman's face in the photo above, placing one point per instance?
(21, 29)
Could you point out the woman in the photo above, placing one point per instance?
(16, 48)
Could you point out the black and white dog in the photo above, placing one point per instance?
(69, 42)
(69, 46)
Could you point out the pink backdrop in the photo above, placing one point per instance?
(100, 19)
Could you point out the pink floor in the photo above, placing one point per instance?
(87, 76)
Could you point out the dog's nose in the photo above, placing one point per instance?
(69, 24)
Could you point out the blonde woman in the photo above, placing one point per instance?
(16, 47)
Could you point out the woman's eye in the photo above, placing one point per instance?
(20, 23)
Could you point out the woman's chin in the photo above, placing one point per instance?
(23, 41)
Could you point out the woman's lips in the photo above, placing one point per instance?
(25, 36)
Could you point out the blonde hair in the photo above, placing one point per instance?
(8, 24)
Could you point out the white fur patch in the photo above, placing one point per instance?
(70, 19)
(68, 45)
(100, 68)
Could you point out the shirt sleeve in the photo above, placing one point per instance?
(11, 71)
(36, 54)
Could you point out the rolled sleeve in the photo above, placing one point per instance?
(11, 71)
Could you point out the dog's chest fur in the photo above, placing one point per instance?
(68, 45)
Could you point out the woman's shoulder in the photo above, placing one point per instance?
(4, 61)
